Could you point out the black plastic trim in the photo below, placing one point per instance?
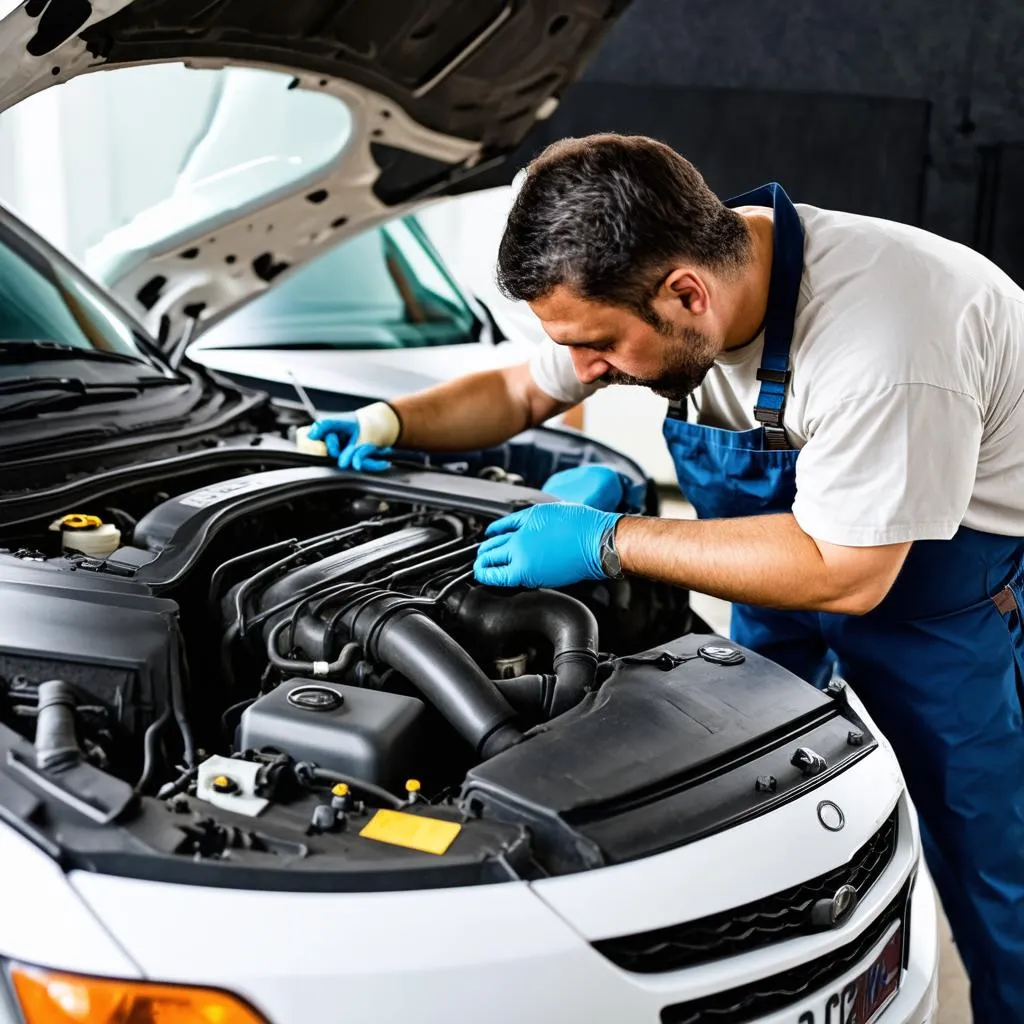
(770, 995)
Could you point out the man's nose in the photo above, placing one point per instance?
(589, 366)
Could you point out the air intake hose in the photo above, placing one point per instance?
(568, 624)
(56, 744)
(533, 694)
(413, 644)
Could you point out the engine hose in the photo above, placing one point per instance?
(180, 662)
(417, 647)
(306, 772)
(301, 549)
(568, 624)
(56, 744)
(531, 693)
(149, 749)
(318, 669)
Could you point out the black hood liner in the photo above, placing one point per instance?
(403, 49)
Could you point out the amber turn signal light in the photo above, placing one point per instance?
(50, 997)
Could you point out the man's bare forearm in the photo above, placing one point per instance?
(474, 411)
(762, 560)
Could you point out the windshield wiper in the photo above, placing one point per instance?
(13, 351)
(72, 393)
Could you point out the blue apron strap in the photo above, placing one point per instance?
(783, 292)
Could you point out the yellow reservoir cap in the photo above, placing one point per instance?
(51, 997)
(339, 789)
(78, 521)
(412, 786)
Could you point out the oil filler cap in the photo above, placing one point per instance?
(315, 698)
(721, 654)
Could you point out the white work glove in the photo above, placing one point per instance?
(357, 440)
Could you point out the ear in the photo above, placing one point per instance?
(683, 285)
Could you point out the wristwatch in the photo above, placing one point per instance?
(610, 564)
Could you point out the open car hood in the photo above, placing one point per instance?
(436, 91)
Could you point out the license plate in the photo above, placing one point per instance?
(861, 1000)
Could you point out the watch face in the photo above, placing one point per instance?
(610, 564)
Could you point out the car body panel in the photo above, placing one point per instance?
(507, 952)
(693, 884)
(45, 921)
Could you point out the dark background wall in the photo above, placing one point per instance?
(905, 109)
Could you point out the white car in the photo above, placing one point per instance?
(268, 755)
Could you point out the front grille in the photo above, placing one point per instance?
(784, 915)
(769, 995)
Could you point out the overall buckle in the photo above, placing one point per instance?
(772, 376)
(768, 417)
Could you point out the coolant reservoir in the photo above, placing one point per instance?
(87, 535)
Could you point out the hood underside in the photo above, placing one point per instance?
(436, 90)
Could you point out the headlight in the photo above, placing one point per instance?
(52, 997)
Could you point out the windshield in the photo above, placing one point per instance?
(45, 301)
(385, 288)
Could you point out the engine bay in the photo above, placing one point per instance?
(295, 670)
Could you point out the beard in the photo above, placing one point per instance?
(688, 356)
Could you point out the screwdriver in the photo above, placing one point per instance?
(303, 397)
(302, 440)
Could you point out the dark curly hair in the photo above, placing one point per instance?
(608, 216)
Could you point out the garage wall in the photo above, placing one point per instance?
(963, 58)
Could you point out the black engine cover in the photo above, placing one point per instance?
(668, 750)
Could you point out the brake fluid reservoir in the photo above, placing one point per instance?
(87, 535)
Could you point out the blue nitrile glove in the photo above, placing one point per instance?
(345, 438)
(544, 546)
(594, 484)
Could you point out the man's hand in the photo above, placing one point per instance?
(544, 546)
(359, 440)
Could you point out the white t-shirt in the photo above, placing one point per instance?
(905, 396)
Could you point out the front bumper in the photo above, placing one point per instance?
(509, 952)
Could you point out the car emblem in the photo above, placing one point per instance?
(831, 816)
(828, 913)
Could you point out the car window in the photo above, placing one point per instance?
(384, 288)
(42, 300)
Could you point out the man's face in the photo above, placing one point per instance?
(616, 346)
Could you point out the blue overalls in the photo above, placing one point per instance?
(938, 663)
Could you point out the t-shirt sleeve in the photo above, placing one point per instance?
(552, 371)
(888, 467)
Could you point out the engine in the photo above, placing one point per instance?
(267, 664)
(300, 615)
(374, 637)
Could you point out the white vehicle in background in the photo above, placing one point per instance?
(268, 754)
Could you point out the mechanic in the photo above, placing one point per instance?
(855, 453)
